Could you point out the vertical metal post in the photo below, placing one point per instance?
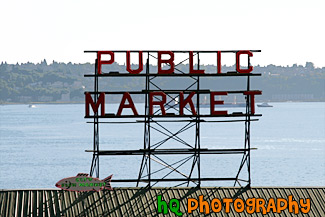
(198, 120)
(146, 138)
(248, 130)
(149, 119)
(95, 160)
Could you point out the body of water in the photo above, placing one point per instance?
(41, 145)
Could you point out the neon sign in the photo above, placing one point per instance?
(158, 98)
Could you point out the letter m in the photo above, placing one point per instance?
(100, 102)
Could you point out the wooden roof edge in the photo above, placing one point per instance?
(176, 188)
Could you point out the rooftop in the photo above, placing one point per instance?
(143, 201)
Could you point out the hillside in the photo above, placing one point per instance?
(61, 82)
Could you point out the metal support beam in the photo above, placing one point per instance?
(191, 152)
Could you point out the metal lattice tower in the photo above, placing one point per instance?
(191, 153)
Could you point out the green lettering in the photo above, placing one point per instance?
(162, 205)
(174, 207)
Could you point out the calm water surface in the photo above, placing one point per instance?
(42, 145)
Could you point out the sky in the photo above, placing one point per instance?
(287, 31)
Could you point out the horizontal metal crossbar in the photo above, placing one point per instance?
(174, 180)
(171, 151)
(173, 115)
(174, 51)
(117, 74)
(169, 91)
(141, 121)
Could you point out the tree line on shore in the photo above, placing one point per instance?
(65, 82)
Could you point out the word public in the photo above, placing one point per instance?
(169, 61)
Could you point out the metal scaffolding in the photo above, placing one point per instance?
(186, 152)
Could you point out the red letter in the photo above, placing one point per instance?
(188, 100)
(252, 99)
(100, 62)
(126, 96)
(160, 103)
(100, 102)
(192, 71)
(238, 69)
(169, 61)
(128, 63)
(218, 62)
(213, 102)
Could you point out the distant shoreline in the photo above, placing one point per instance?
(82, 102)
